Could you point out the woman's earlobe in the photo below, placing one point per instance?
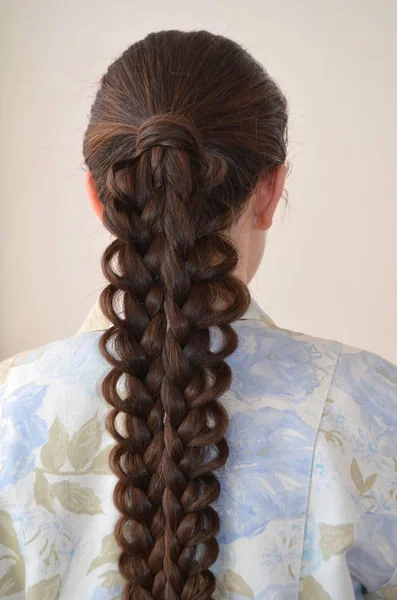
(261, 222)
(96, 204)
(272, 192)
(263, 214)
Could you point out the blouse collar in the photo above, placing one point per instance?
(96, 320)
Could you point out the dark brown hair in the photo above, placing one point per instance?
(182, 127)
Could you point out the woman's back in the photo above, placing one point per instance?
(308, 495)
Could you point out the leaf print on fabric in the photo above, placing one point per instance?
(362, 486)
(53, 454)
(100, 464)
(109, 553)
(52, 555)
(276, 364)
(371, 382)
(85, 443)
(389, 592)
(373, 557)
(231, 582)
(77, 499)
(46, 589)
(310, 589)
(269, 466)
(112, 580)
(336, 539)
(11, 583)
(43, 492)
(13, 580)
(332, 436)
(21, 432)
(80, 450)
(111, 586)
(8, 536)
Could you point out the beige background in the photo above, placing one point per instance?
(331, 264)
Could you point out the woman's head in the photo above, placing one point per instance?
(185, 149)
(239, 112)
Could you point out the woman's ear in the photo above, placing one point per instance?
(268, 194)
(96, 204)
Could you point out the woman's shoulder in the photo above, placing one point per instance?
(370, 382)
(46, 392)
(365, 375)
(56, 362)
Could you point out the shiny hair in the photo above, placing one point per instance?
(182, 127)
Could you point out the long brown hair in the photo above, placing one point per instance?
(182, 127)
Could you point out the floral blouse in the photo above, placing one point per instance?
(309, 493)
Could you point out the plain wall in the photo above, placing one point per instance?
(330, 268)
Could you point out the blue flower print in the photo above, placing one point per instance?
(312, 556)
(372, 559)
(372, 383)
(320, 469)
(368, 450)
(21, 431)
(71, 547)
(267, 474)
(324, 471)
(280, 554)
(25, 523)
(270, 362)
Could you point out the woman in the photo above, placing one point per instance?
(181, 445)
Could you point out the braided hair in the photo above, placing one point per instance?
(182, 127)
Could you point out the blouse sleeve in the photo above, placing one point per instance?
(363, 400)
(12, 565)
